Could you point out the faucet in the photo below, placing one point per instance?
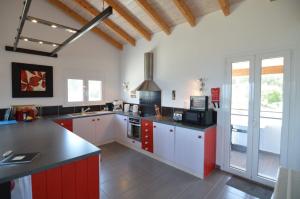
(85, 110)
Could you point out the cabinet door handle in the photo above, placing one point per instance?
(93, 120)
(199, 136)
(98, 119)
(171, 130)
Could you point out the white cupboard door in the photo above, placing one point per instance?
(163, 137)
(104, 131)
(189, 150)
(85, 128)
(121, 128)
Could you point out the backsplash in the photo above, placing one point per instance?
(60, 110)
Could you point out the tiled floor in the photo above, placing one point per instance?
(127, 174)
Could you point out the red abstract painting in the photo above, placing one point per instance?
(33, 80)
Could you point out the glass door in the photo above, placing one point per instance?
(238, 137)
(256, 105)
(270, 113)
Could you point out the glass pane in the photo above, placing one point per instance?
(239, 114)
(75, 90)
(95, 90)
(270, 117)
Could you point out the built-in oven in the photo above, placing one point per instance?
(134, 128)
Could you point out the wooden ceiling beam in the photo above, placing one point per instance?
(185, 11)
(225, 6)
(112, 25)
(154, 15)
(68, 11)
(129, 18)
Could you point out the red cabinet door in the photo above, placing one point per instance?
(147, 135)
(79, 179)
(66, 123)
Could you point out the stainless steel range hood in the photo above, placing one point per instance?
(148, 84)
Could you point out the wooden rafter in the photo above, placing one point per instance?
(129, 18)
(185, 11)
(112, 25)
(225, 6)
(154, 15)
(68, 11)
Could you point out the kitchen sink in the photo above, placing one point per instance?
(89, 113)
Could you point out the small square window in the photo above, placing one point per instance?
(75, 90)
(95, 90)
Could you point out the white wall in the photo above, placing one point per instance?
(254, 26)
(89, 53)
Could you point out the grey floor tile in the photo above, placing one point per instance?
(127, 174)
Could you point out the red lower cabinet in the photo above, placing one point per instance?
(147, 135)
(66, 123)
(75, 180)
(210, 146)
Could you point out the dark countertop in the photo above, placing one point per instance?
(55, 144)
(170, 121)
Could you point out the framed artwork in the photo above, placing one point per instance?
(31, 80)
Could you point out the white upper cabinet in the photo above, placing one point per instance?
(189, 150)
(163, 138)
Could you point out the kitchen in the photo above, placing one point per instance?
(189, 59)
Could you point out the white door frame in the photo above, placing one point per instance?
(254, 114)
(227, 114)
(285, 117)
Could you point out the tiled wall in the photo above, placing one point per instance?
(60, 110)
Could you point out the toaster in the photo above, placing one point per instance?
(177, 116)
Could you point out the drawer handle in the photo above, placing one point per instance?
(199, 136)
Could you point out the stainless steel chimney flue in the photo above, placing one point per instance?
(148, 84)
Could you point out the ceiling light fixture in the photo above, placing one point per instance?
(53, 26)
(40, 42)
(54, 45)
(34, 21)
(25, 39)
(70, 30)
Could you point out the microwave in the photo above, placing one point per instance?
(204, 118)
(199, 103)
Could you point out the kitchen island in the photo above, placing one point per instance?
(66, 161)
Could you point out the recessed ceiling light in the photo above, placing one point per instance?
(53, 26)
(54, 45)
(34, 21)
(40, 42)
(25, 39)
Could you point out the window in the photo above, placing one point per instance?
(75, 90)
(95, 91)
(80, 91)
